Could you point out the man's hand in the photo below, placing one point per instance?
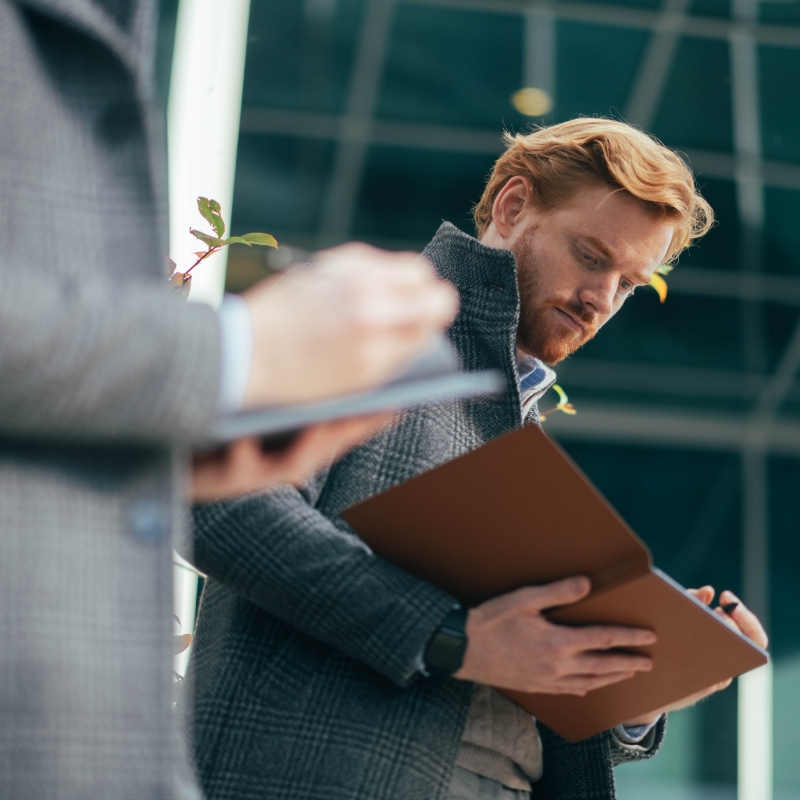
(242, 467)
(512, 645)
(345, 324)
(740, 619)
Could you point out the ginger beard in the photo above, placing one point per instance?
(540, 333)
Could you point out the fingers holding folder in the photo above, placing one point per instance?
(512, 645)
(738, 617)
(466, 526)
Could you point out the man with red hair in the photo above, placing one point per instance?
(321, 670)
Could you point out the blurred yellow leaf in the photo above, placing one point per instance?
(660, 285)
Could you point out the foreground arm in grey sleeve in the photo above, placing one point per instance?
(94, 360)
(283, 555)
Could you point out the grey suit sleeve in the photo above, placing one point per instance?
(283, 555)
(93, 360)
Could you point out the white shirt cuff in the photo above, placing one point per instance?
(634, 734)
(236, 347)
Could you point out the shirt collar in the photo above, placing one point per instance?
(535, 378)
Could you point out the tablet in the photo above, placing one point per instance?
(434, 377)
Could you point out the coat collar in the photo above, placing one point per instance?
(470, 264)
(485, 330)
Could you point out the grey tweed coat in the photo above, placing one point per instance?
(303, 667)
(104, 375)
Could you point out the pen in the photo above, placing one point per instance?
(729, 608)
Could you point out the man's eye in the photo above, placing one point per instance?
(629, 288)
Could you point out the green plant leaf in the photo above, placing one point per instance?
(211, 241)
(261, 239)
(665, 269)
(253, 238)
(211, 213)
(562, 395)
(563, 404)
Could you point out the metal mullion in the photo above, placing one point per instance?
(354, 128)
(621, 17)
(656, 64)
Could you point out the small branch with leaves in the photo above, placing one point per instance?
(211, 211)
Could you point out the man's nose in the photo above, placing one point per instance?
(599, 296)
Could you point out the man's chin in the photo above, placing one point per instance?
(552, 352)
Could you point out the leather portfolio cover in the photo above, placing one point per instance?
(517, 512)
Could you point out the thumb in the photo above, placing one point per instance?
(558, 593)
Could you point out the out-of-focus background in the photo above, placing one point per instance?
(377, 119)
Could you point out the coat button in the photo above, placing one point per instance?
(119, 122)
(148, 520)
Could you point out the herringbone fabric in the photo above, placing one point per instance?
(103, 372)
(303, 669)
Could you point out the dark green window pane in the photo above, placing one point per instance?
(299, 54)
(280, 184)
(710, 8)
(696, 108)
(453, 67)
(784, 476)
(781, 253)
(687, 330)
(407, 193)
(719, 248)
(596, 69)
(780, 110)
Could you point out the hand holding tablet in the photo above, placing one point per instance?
(337, 348)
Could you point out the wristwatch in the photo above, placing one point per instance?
(444, 653)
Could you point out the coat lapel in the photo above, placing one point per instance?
(92, 18)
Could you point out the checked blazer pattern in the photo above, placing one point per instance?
(303, 669)
(105, 376)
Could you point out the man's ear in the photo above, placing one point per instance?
(509, 204)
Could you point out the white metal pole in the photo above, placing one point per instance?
(205, 105)
(755, 735)
(755, 689)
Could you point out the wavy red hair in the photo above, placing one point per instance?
(561, 159)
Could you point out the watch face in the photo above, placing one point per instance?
(445, 655)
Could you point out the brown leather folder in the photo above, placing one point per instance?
(517, 512)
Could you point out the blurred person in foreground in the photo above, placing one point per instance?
(317, 666)
(108, 379)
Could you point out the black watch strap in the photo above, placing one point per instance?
(444, 653)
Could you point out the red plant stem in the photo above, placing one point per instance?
(202, 258)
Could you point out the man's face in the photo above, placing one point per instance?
(578, 264)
